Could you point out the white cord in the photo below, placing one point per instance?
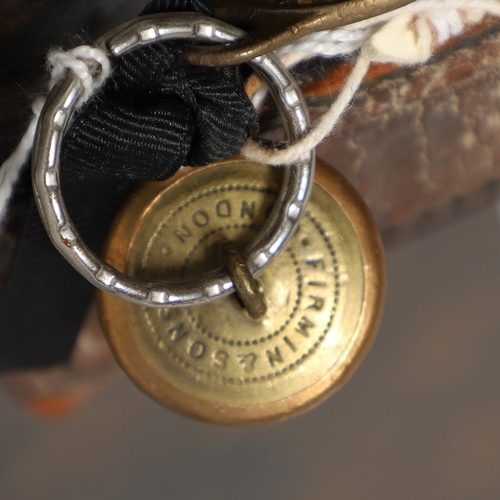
(81, 61)
(349, 38)
(254, 151)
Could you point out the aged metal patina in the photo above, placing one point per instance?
(324, 295)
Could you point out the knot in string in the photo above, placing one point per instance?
(412, 38)
(89, 64)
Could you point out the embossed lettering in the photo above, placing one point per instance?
(248, 361)
(302, 326)
(290, 344)
(220, 360)
(177, 332)
(223, 208)
(200, 218)
(316, 283)
(316, 263)
(182, 233)
(318, 303)
(275, 356)
(197, 350)
(247, 209)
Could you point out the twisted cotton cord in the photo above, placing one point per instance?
(256, 152)
(407, 36)
(446, 15)
(81, 61)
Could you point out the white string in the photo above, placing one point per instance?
(406, 36)
(349, 38)
(81, 61)
(254, 151)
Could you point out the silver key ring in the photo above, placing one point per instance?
(56, 116)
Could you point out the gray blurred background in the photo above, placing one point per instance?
(419, 420)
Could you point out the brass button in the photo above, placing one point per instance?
(324, 295)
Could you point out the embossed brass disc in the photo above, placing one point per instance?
(324, 295)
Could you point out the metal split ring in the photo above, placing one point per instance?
(56, 116)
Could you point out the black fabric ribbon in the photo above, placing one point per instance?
(152, 116)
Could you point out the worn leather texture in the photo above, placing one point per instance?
(422, 145)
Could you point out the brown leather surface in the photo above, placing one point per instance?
(423, 144)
